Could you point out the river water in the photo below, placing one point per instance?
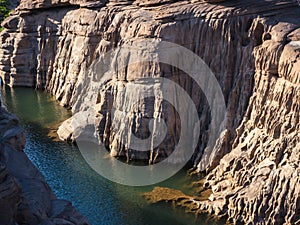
(101, 201)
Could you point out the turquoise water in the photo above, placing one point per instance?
(101, 201)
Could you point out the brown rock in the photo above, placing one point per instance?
(251, 46)
(25, 197)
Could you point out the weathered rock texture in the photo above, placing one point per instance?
(259, 180)
(67, 41)
(25, 197)
(251, 46)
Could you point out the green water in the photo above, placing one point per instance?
(101, 201)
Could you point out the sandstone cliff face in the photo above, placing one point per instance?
(25, 197)
(259, 180)
(251, 46)
(67, 41)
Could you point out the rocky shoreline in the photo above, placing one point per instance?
(251, 46)
(25, 197)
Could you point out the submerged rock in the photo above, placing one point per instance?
(160, 194)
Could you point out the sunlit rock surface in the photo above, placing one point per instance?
(251, 46)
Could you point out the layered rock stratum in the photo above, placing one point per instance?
(251, 46)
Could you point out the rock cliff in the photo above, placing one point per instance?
(67, 41)
(251, 46)
(259, 180)
(25, 197)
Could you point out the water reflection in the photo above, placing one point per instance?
(101, 201)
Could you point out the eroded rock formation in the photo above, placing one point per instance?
(25, 197)
(259, 180)
(251, 46)
(69, 40)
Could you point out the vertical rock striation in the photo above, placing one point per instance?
(251, 46)
(69, 40)
(259, 180)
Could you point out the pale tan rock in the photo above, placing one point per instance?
(263, 167)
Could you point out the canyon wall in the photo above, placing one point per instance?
(25, 197)
(251, 46)
(54, 49)
(259, 180)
